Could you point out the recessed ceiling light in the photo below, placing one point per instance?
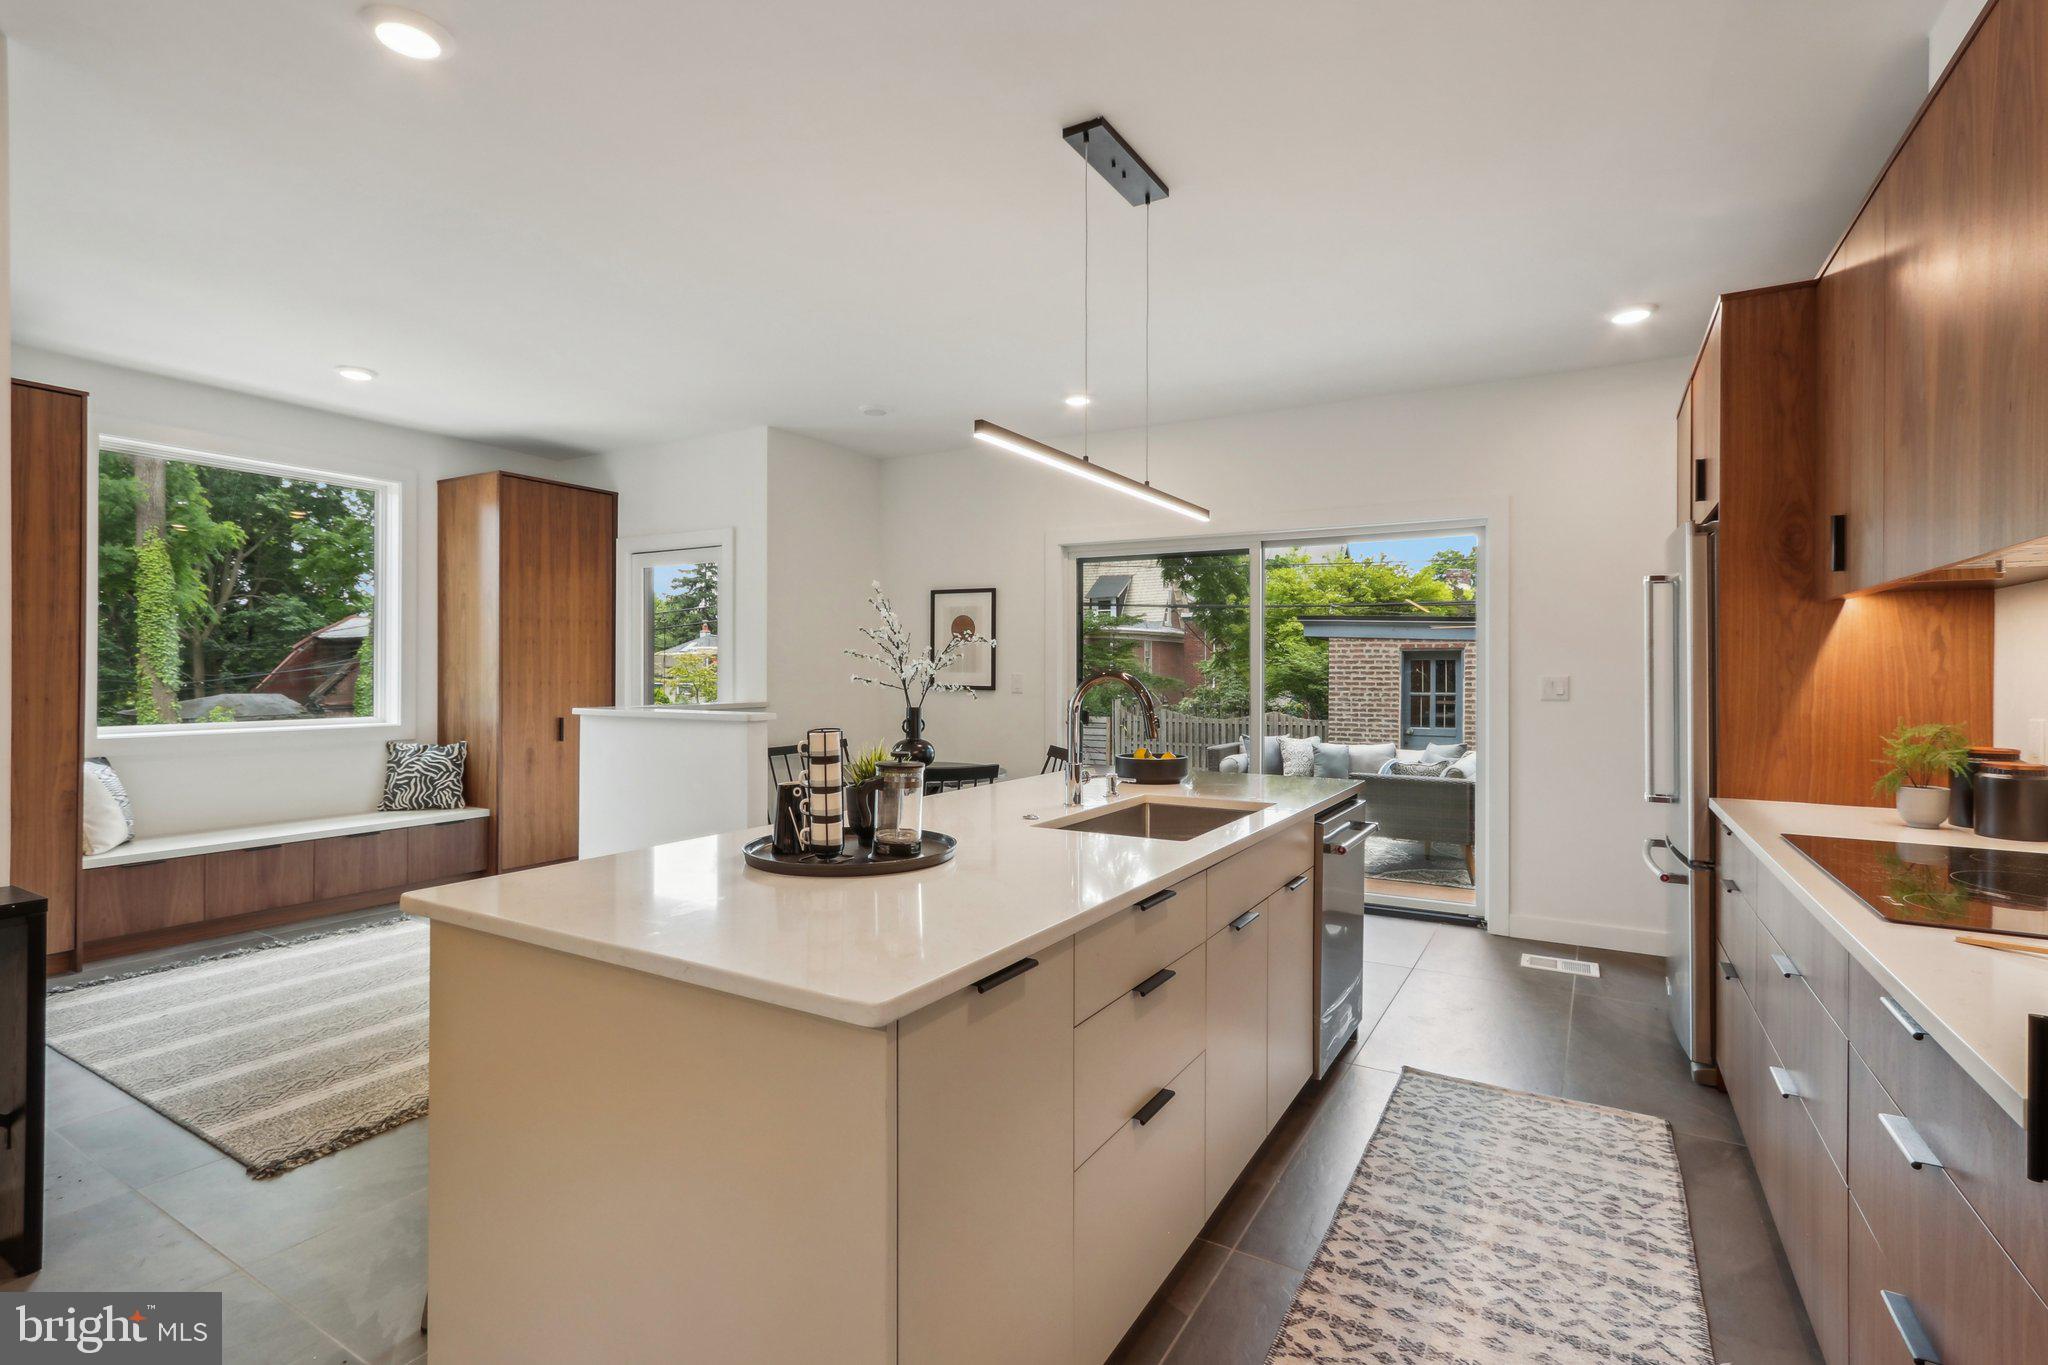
(355, 374)
(873, 410)
(1632, 317)
(1078, 400)
(406, 33)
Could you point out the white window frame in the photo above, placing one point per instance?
(634, 610)
(386, 616)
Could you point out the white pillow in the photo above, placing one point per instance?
(106, 821)
(1297, 757)
(1370, 758)
(1444, 753)
(1467, 766)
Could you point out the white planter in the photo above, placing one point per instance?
(1923, 807)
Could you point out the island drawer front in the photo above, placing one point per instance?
(1236, 1049)
(1244, 879)
(985, 1179)
(1736, 925)
(1983, 1149)
(1970, 1298)
(1737, 864)
(1821, 961)
(1137, 1206)
(1115, 955)
(1812, 1048)
(1125, 1051)
(1290, 918)
(1808, 1200)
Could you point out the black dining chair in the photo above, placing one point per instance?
(1055, 759)
(784, 765)
(965, 775)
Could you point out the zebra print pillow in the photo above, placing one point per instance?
(423, 776)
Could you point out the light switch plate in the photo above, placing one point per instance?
(1017, 684)
(1557, 688)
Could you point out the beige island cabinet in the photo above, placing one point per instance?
(685, 1110)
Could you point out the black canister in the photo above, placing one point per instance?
(2012, 801)
(1962, 786)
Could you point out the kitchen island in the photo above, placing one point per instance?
(688, 1110)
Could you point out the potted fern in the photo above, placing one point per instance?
(1918, 762)
(863, 780)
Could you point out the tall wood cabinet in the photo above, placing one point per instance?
(525, 629)
(48, 638)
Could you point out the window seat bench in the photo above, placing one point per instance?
(178, 888)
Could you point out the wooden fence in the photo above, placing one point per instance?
(1182, 733)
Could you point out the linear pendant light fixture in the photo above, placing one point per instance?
(1104, 151)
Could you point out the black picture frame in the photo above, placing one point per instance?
(982, 606)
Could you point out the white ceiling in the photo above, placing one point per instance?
(607, 223)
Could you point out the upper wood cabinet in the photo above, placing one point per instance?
(525, 638)
(1850, 532)
(1699, 433)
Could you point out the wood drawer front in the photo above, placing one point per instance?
(355, 863)
(1115, 955)
(985, 1133)
(1983, 1149)
(246, 880)
(1137, 1206)
(1737, 863)
(1290, 996)
(1125, 1051)
(1737, 1038)
(1812, 1049)
(117, 901)
(435, 853)
(1236, 1046)
(1738, 932)
(1808, 1200)
(1970, 1298)
(1242, 880)
(1873, 1338)
(1799, 936)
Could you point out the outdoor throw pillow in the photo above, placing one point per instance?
(1332, 760)
(1466, 767)
(108, 819)
(1370, 758)
(1270, 762)
(423, 776)
(1443, 752)
(1424, 769)
(1297, 757)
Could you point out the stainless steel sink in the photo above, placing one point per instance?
(1145, 818)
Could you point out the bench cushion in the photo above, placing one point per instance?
(258, 836)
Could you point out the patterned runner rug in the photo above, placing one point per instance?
(277, 1055)
(1493, 1227)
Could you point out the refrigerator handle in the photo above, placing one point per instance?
(1651, 582)
(1650, 861)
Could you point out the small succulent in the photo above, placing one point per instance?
(866, 765)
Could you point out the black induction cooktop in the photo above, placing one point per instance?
(1947, 887)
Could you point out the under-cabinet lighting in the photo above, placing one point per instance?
(1005, 439)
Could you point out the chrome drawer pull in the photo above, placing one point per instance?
(1910, 1331)
(1786, 966)
(1728, 885)
(1297, 883)
(1782, 1078)
(1728, 972)
(1905, 1020)
(1907, 1139)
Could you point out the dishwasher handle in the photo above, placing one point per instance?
(1359, 834)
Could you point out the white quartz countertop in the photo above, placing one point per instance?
(868, 950)
(1972, 1001)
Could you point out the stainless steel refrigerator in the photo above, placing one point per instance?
(1678, 774)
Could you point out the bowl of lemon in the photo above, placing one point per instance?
(1145, 765)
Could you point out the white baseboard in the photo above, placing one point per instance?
(1626, 938)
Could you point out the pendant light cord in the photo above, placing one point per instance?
(1086, 392)
(1148, 338)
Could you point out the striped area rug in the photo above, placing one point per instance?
(278, 1055)
(1493, 1227)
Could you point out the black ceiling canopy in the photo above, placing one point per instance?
(1115, 160)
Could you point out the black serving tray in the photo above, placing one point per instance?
(855, 859)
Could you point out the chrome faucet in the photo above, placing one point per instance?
(1076, 773)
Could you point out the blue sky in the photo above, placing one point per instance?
(1414, 551)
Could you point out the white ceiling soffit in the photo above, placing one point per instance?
(602, 225)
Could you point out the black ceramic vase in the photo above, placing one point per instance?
(914, 747)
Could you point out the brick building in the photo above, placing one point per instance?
(1410, 677)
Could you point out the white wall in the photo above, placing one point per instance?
(2019, 680)
(1582, 462)
(217, 776)
(1951, 26)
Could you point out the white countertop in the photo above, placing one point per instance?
(1972, 1001)
(867, 950)
(286, 832)
(726, 713)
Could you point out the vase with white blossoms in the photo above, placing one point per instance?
(912, 671)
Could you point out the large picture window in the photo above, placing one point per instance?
(234, 593)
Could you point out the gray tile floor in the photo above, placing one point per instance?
(1457, 1000)
(325, 1265)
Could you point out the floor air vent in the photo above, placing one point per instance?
(1570, 966)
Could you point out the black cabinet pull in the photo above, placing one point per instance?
(1298, 882)
(1009, 973)
(561, 728)
(1728, 972)
(1728, 885)
(366, 834)
(1154, 981)
(1244, 921)
(1157, 898)
(1910, 1331)
(1153, 1106)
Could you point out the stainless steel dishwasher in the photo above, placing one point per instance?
(1341, 833)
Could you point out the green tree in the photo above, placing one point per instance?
(1457, 570)
(685, 605)
(366, 675)
(1103, 651)
(692, 677)
(156, 633)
